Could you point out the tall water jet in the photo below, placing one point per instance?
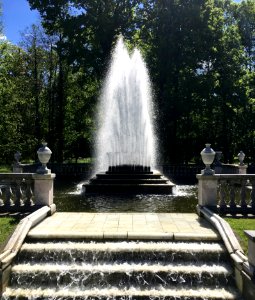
(126, 134)
(126, 145)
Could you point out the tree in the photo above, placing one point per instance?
(245, 16)
(197, 63)
(16, 113)
(85, 31)
(200, 57)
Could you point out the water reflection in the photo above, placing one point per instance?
(68, 197)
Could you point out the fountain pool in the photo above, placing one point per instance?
(68, 197)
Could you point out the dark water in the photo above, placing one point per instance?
(68, 197)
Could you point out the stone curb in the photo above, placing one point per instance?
(226, 234)
(20, 233)
(15, 242)
(244, 272)
(127, 235)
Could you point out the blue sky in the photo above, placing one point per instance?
(16, 17)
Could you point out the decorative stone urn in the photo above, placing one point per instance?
(17, 157)
(44, 154)
(208, 155)
(241, 157)
(17, 166)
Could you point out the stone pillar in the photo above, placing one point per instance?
(242, 169)
(207, 190)
(251, 248)
(43, 189)
(17, 168)
(248, 274)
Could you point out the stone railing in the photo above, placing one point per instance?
(227, 193)
(16, 192)
(25, 192)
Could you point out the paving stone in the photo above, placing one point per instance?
(181, 225)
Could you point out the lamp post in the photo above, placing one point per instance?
(44, 154)
(207, 155)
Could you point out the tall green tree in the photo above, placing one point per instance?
(245, 16)
(197, 64)
(85, 31)
(17, 113)
(200, 57)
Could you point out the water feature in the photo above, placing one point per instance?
(126, 134)
(69, 197)
(126, 146)
(122, 270)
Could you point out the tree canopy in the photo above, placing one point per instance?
(200, 55)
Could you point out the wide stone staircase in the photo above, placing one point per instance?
(122, 269)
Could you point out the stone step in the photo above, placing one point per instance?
(128, 181)
(122, 251)
(129, 169)
(115, 275)
(128, 176)
(129, 188)
(198, 293)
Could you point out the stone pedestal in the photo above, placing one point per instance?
(207, 190)
(17, 168)
(251, 246)
(242, 169)
(43, 189)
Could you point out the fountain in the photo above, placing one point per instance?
(126, 145)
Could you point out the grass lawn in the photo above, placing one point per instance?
(5, 169)
(7, 226)
(239, 225)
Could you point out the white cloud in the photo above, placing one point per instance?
(3, 38)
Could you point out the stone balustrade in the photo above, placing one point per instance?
(25, 192)
(227, 193)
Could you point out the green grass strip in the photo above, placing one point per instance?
(7, 226)
(239, 225)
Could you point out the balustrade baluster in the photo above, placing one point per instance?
(243, 193)
(232, 195)
(29, 194)
(252, 203)
(18, 194)
(1, 200)
(222, 194)
(9, 196)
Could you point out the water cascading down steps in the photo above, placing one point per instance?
(121, 269)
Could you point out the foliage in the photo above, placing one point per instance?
(239, 225)
(5, 169)
(200, 55)
(7, 226)
(16, 112)
(198, 69)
